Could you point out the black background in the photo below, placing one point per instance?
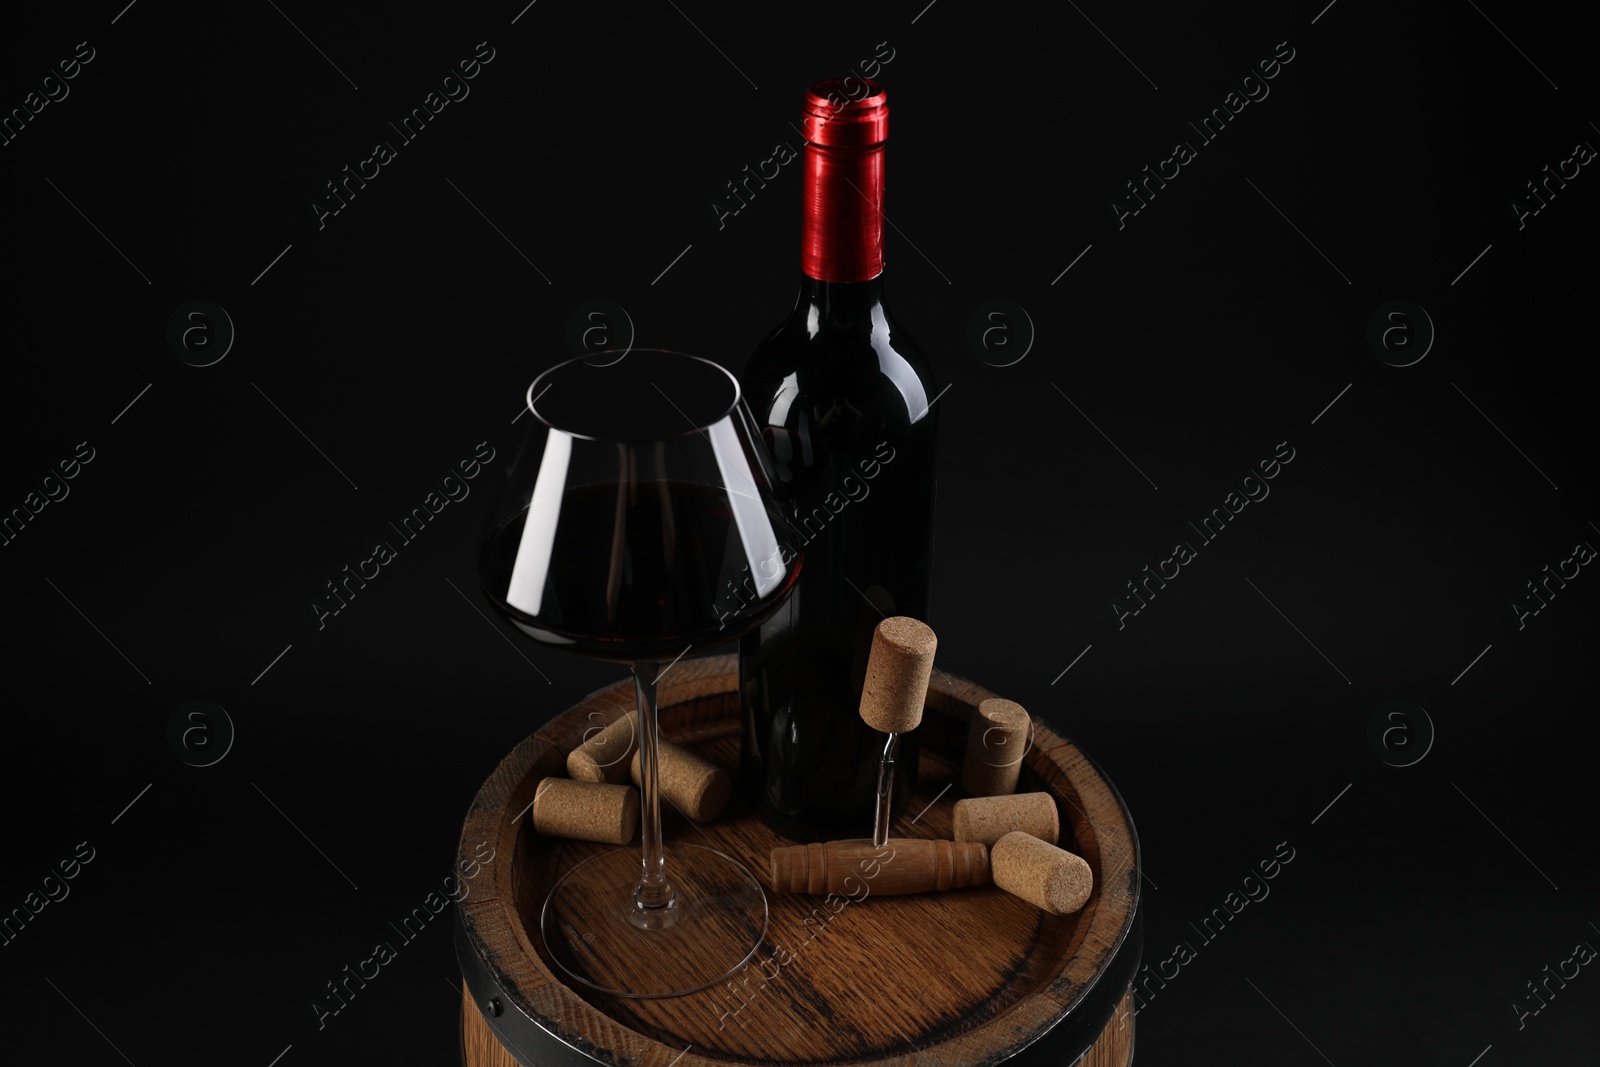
(1196, 338)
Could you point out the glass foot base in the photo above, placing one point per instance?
(597, 931)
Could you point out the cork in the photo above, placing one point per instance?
(897, 674)
(700, 789)
(988, 819)
(586, 811)
(604, 756)
(902, 865)
(1040, 873)
(996, 742)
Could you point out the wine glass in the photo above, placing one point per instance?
(636, 523)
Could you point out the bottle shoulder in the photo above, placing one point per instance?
(874, 371)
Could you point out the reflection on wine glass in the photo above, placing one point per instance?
(635, 524)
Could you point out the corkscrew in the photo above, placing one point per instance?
(896, 686)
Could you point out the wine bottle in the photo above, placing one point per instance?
(844, 398)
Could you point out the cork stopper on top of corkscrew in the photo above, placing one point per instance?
(897, 674)
(896, 686)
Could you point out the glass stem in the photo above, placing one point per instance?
(880, 828)
(654, 890)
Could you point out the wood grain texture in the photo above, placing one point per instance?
(966, 977)
(480, 1048)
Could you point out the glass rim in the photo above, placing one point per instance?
(693, 427)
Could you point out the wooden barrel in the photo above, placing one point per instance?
(966, 977)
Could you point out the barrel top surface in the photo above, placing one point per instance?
(968, 976)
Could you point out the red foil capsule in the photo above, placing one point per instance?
(841, 226)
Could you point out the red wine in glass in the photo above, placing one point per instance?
(635, 524)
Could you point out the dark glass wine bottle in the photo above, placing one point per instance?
(844, 398)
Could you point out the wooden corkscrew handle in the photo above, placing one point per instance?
(902, 865)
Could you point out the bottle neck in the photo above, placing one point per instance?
(841, 229)
(839, 307)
